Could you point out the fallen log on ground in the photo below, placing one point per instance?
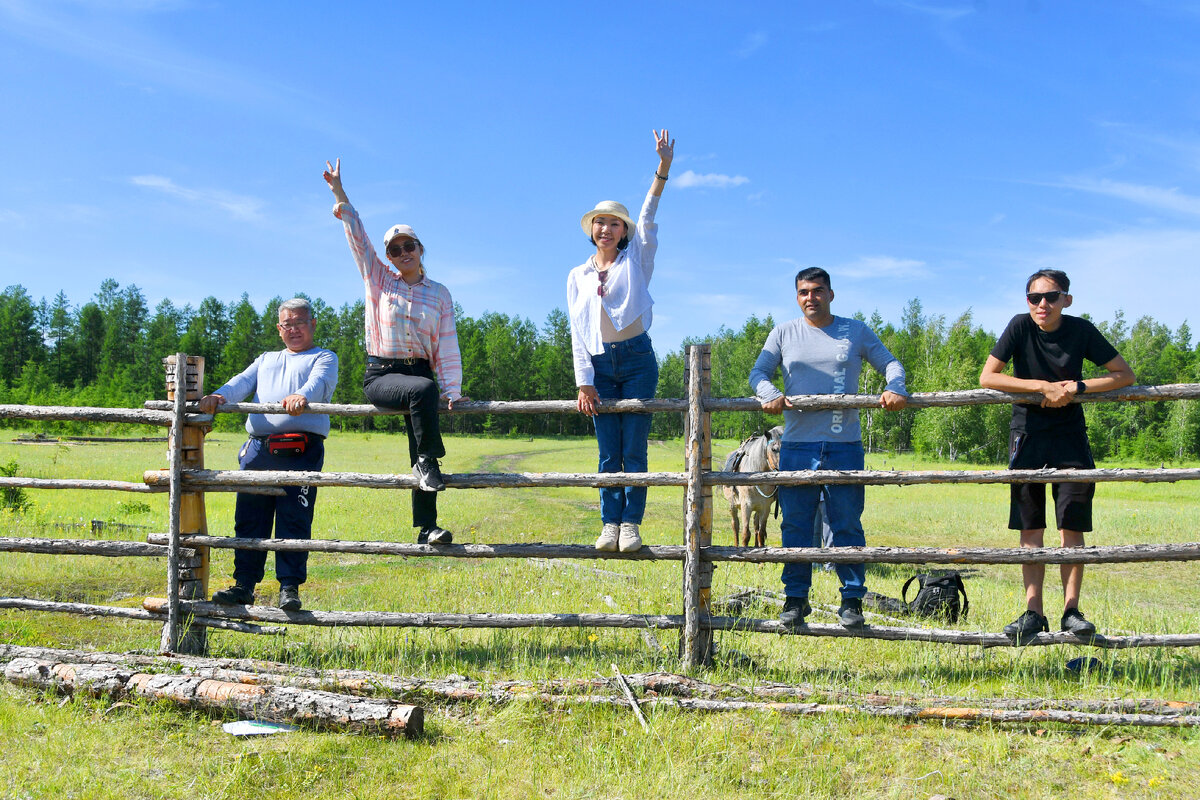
(323, 710)
(565, 691)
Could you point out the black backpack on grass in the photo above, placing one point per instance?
(937, 596)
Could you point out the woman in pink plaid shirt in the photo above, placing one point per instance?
(412, 348)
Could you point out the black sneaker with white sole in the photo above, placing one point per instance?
(1074, 622)
(435, 535)
(1025, 628)
(428, 475)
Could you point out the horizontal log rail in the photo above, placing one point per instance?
(124, 486)
(229, 479)
(969, 397)
(89, 610)
(86, 547)
(139, 416)
(397, 619)
(1115, 554)
(78, 483)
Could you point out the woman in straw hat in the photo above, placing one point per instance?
(412, 348)
(610, 309)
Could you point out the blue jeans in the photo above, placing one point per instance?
(626, 370)
(843, 510)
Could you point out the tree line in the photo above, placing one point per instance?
(108, 352)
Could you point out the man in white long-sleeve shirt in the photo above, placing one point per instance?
(297, 375)
(820, 353)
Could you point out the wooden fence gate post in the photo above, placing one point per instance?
(192, 574)
(696, 644)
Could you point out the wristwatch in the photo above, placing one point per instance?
(1080, 387)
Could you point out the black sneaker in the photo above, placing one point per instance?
(795, 609)
(850, 613)
(237, 595)
(1025, 628)
(1074, 622)
(428, 475)
(289, 598)
(435, 535)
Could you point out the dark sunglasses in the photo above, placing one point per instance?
(603, 277)
(1035, 298)
(394, 250)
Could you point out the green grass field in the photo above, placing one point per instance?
(85, 749)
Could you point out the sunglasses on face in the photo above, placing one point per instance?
(394, 250)
(1035, 298)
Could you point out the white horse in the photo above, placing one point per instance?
(759, 453)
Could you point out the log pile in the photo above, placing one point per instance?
(70, 673)
(660, 690)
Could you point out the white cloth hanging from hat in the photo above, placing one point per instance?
(626, 295)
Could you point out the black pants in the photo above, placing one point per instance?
(291, 514)
(412, 388)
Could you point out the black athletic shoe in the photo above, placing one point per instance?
(850, 613)
(237, 595)
(428, 475)
(795, 609)
(1074, 622)
(289, 598)
(435, 535)
(1025, 628)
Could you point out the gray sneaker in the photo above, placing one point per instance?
(795, 609)
(850, 613)
(610, 534)
(630, 537)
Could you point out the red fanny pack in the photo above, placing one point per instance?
(287, 444)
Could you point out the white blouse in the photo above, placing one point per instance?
(626, 295)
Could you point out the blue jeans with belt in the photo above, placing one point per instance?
(626, 370)
(843, 511)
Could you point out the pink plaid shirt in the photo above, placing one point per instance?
(405, 321)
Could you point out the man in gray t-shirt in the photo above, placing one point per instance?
(820, 353)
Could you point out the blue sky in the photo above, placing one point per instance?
(940, 150)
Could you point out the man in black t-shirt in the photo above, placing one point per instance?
(1047, 349)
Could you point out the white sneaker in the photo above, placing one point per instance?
(608, 537)
(631, 538)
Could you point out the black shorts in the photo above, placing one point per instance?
(1072, 501)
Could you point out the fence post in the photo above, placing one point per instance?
(187, 509)
(697, 644)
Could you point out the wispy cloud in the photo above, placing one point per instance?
(240, 206)
(1166, 199)
(938, 13)
(751, 44)
(709, 180)
(882, 267)
(1131, 270)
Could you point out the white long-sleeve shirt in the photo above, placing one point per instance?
(626, 296)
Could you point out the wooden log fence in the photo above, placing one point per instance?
(1105, 554)
(697, 554)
